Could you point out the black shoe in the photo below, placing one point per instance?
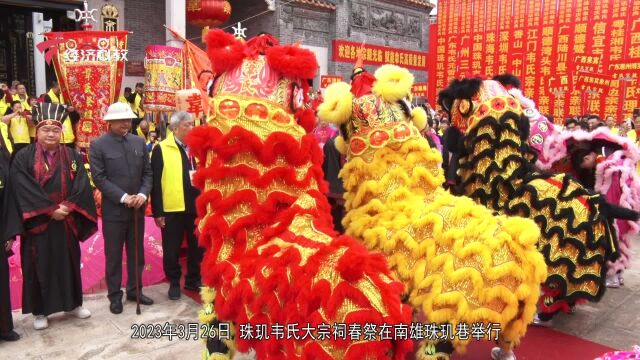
(10, 336)
(144, 300)
(193, 286)
(174, 292)
(116, 307)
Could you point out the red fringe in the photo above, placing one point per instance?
(267, 283)
(307, 119)
(293, 61)
(224, 50)
(259, 45)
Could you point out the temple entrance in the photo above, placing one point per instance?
(17, 41)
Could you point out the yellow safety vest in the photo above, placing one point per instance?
(152, 127)
(19, 130)
(68, 136)
(4, 105)
(4, 131)
(26, 107)
(171, 180)
(123, 99)
(137, 106)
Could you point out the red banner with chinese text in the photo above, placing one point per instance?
(89, 67)
(593, 82)
(345, 51)
(326, 80)
(420, 90)
(548, 44)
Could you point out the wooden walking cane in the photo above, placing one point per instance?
(136, 239)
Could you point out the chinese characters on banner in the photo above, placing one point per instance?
(346, 51)
(593, 82)
(572, 56)
(420, 90)
(326, 80)
(91, 82)
(164, 76)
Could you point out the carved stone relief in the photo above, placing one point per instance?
(413, 26)
(360, 15)
(385, 20)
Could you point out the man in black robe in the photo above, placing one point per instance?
(51, 206)
(6, 320)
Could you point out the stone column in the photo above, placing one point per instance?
(176, 15)
(40, 26)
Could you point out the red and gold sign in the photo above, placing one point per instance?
(587, 63)
(212, 13)
(593, 82)
(548, 45)
(90, 84)
(420, 89)
(346, 51)
(326, 80)
(163, 77)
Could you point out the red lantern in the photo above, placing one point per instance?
(212, 13)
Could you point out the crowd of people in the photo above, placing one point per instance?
(49, 203)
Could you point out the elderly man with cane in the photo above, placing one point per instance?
(121, 171)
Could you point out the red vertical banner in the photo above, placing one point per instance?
(504, 36)
(434, 76)
(453, 29)
(490, 37)
(577, 98)
(465, 41)
(532, 32)
(632, 88)
(546, 53)
(517, 39)
(441, 59)
(478, 52)
(563, 54)
(617, 21)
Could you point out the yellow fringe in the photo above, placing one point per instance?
(419, 118)
(337, 105)
(341, 145)
(460, 263)
(392, 83)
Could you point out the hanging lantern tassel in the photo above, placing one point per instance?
(211, 13)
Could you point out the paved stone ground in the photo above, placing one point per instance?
(104, 335)
(614, 322)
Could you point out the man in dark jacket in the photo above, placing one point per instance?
(121, 171)
(173, 201)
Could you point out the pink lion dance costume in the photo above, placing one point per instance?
(271, 256)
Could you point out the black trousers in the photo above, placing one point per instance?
(177, 225)
(116, 235)
(337, 212)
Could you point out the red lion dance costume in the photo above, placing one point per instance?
(271, 255)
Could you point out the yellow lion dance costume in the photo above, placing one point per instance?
(460, 263)
(277, 276)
